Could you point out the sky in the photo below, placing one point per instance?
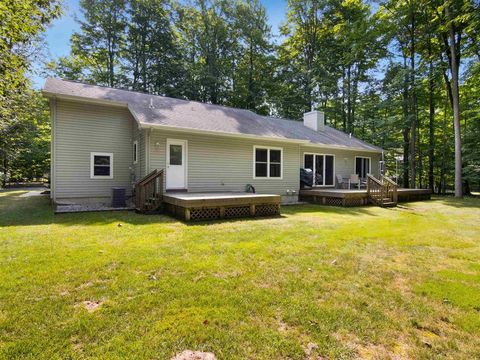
(57, 36)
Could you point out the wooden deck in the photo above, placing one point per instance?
(209, 206)
(345, 197)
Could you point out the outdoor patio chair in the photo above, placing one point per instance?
(342, 183)
(354, 180)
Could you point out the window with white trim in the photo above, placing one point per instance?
(101, 165)
(135, 152)
(362, 166)
(268, 162)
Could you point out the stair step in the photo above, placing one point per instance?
(389, 204)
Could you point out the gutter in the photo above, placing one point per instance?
(83, 99)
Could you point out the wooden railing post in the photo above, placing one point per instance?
(148, 191)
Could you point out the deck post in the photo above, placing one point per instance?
(252, 210)
(222, 212)
(187, 214)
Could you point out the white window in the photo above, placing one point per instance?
(101, 165)
(362, 166)
(135, 152)
(267, 162)
(322, 166)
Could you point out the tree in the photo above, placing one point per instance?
(22, 23)
(456, 18)
(253, 64)
(151, 58)
(97, 46)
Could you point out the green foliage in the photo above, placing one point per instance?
(25, 140)
(21, 23)
(22, 154)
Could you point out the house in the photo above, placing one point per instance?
(104, 138)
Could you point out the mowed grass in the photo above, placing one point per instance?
(317, 282)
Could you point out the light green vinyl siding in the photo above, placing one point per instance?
(217, 163)
(140, 166)
(84, 128)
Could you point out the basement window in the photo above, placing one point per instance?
(101, 165)
(267, 162)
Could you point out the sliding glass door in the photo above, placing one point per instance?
(323, 167)
(362, 166)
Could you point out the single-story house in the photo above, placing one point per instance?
(104, 138)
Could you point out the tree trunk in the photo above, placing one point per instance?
(344, 117)
(431, 123)
(250, 95)
(455, 63)
(406, 127)
(5, 168)
(441, 188)
(349, 100)
(413, 142)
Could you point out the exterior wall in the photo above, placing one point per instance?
(80, 129)
(217, 163)
(139, 136)
(344, 159)
(214, 163)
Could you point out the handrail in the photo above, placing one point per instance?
(146, 178)
(392, 188)
(374, 179)
(390, 180)
(149, 191)
(382, 192)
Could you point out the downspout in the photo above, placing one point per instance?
(382, 169)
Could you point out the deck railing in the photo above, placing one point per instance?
(382, 192)
(391, 188)
(149, 191)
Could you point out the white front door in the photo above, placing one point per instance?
(176, 164)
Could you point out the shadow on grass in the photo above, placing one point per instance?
(325, 209)
(292, 210)
(18, 211)
(466, 202)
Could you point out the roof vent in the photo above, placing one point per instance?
(314, 120)
(151, 104)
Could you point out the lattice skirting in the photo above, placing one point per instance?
(228, 212)
(267, 210)
(204, 213)
(237, 212)
(355, 202)
(332, 201)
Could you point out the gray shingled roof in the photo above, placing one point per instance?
(184, 114)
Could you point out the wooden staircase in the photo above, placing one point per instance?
(149, 192)
(382, 192)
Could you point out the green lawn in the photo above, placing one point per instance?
(317, 282)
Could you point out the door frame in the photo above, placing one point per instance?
(324, 168)
(369, 164)
(184, 143)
